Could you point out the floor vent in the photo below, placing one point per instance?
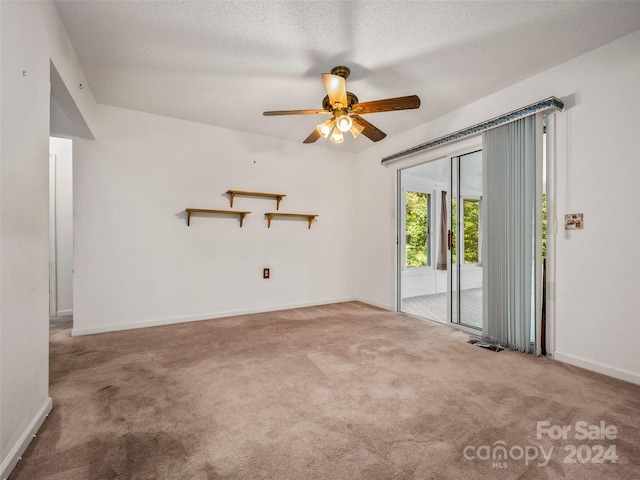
(478, 342)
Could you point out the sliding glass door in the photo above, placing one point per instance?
(478, 226)
(465, 240)
(440, 232)
(422, 233)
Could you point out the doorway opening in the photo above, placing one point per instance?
(60, 230)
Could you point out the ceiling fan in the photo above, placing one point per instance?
(345, 110)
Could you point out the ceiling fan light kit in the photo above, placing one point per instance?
(325, 128)
(337, 136)
(344, 122)
(345, 110)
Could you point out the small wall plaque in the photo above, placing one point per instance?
(573, 221)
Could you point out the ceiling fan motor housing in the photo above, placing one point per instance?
(351, 99)
(341, 71)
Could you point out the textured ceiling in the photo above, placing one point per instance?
(225, 62)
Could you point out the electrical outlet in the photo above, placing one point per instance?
(265, 273)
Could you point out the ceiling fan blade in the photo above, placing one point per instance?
(387, 105)
(293, 112)
(336, 88)
(370, 131)
(315, 135)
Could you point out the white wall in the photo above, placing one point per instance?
(136, 261)
(62, 148)
(598, 268)
(31, 37)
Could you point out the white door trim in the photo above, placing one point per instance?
(53, 285)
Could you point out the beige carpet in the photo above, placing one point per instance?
(342, 391)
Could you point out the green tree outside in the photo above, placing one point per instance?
(471, 219)
(544, 226)
(417, 216)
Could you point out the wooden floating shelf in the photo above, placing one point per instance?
(225, 212)
(277, 196)
(308, 216)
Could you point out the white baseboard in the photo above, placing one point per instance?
(375, 304)
(615, 372)
(64, 313)
(15, 455)
(76, 332)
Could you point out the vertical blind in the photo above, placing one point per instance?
(509, 221)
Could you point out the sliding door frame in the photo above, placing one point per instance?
(551, 148)
(455, 169)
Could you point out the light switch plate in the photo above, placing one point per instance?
(573, 221)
